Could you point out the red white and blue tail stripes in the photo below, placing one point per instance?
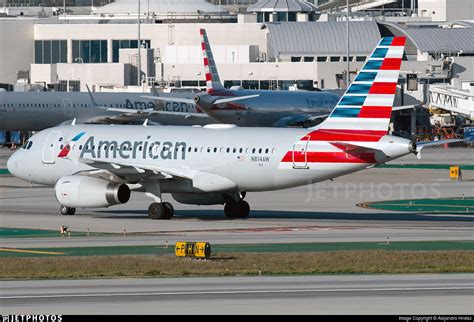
(367, 103)
(213, 82)
(359, 120)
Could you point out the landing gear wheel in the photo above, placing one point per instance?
(156, 211)
(160, 210)
(169, 210)
(67, 211)
(240, 209)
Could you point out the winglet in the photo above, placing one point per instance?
(213, 82)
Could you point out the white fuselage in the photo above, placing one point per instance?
(255, 159)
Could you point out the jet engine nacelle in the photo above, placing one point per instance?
(199, 198)
(89, 192)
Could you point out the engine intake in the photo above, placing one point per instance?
(89, 192)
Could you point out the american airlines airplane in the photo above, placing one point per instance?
(99, 165)
(256, 107)
(34, 111)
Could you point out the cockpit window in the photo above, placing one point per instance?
(27, 145)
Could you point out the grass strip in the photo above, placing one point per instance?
(242, 248)
(231, 264)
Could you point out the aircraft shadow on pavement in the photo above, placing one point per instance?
(213, 215)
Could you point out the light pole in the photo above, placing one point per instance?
(348, 63)
(139, 78)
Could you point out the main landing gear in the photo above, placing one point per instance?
(67, 211)
(237, 209)
(159, 210)
(236, 206)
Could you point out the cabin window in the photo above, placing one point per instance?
(260, 150)
(266, 151)
(253, 150)
(228, 150)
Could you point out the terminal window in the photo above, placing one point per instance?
(89, 51)
(118, 44)
(50, 51)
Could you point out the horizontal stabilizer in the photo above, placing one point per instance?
(353, 148)
(421, 145)
(233, 99)
(171, 99)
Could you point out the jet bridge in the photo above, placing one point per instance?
(453, 100)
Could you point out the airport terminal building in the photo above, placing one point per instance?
(261, 45)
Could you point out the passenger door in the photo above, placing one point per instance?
(50, 148)
(67, 103)
(300, 156)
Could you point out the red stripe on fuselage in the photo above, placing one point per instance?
(347, 135)
(208, 77)
(206, 61)
(203, 46)
(329, 157)
(391, 64)
(376, 112)
(383, 88)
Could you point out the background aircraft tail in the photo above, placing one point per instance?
(213, 82)
(366, 106)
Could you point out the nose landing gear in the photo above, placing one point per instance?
(67, 211)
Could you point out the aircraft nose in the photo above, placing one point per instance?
(13, 164)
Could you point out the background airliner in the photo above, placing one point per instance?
(99, 165)
(33, 111)
(257, 107)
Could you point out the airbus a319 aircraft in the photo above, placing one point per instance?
(99, 165)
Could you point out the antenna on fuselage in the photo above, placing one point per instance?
(73, 122)
(145, 123)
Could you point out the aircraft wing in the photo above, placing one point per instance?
(134, 172)
(148, 112)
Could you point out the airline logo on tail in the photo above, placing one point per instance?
(371, 94)
(213, 81)
(363, 112)
(67, 147)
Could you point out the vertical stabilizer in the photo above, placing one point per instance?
(213, 82)
(367, 103)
